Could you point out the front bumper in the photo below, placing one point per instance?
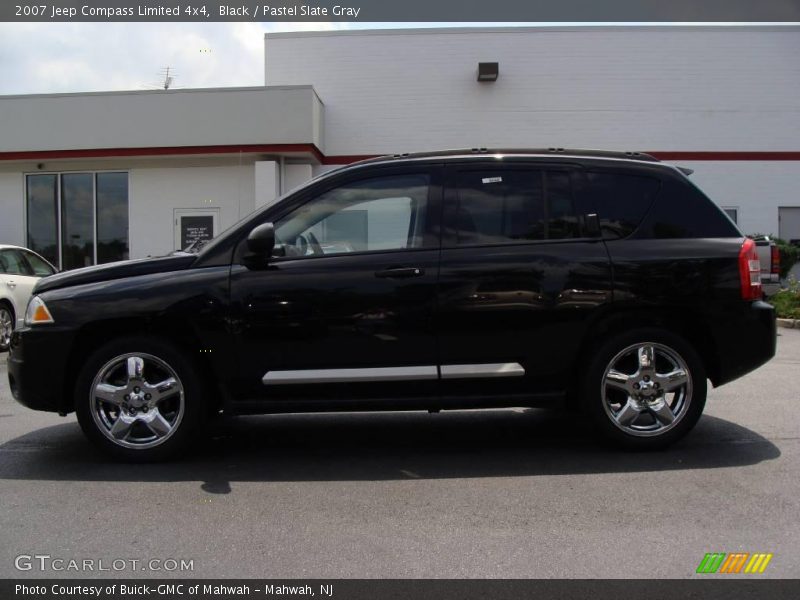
(37, 368)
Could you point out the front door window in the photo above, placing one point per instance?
(381, 214)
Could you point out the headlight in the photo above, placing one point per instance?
(37, 312)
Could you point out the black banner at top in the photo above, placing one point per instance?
(369, 11)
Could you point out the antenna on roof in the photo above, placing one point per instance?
(167, 83)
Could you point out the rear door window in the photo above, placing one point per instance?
(504, 206)
(621, 200)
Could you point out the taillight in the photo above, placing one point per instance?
(776, 260)
(750, 271)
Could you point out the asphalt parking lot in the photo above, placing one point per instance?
(514, 493)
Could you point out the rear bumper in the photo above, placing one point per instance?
(37, 364)
(747, 343)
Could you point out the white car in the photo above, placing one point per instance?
(20, 269)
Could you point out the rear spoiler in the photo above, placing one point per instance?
(685, 170)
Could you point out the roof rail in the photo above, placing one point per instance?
(518, 151)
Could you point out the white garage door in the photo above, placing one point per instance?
(789, 222)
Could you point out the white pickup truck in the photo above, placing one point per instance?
(770, 259)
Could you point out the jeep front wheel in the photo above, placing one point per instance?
(139, 399)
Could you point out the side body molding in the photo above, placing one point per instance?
(417, 373)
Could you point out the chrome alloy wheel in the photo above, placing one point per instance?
(646, 389)
(6, 327)
(137, 401)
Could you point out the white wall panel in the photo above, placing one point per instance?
(616, 88)
(205, 117)
(267, 190)
(155, 193)
(295, 176)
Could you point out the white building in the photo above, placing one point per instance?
(94, 177)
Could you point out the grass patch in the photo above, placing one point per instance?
(787, 303)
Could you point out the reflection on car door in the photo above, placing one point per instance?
(347, 311)
(518, 279)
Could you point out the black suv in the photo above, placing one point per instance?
(596, 280)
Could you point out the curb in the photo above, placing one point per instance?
(789, 323)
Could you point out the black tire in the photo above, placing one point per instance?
(6, 311)
(182, 405)
(649, 428)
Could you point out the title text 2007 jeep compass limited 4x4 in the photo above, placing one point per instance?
(465, 279)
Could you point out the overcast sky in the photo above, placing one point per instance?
(79, 57)
(82, 57)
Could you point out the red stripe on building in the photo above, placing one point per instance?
(346, 159)
(713, 155)
(164, 151)
(343, 159)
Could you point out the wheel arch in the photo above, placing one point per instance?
(688, 325)
(7, 302)
(177, 332)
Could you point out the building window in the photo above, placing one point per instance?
(43, 216)
(78, 219)
(112, 217)
(732, 212)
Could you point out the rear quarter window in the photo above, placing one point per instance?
(683, 211)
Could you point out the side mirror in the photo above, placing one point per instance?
(261, 240)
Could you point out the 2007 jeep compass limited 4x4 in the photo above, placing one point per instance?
(466, 279)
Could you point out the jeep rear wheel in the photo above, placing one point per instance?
(139, 399)
(646, 389)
